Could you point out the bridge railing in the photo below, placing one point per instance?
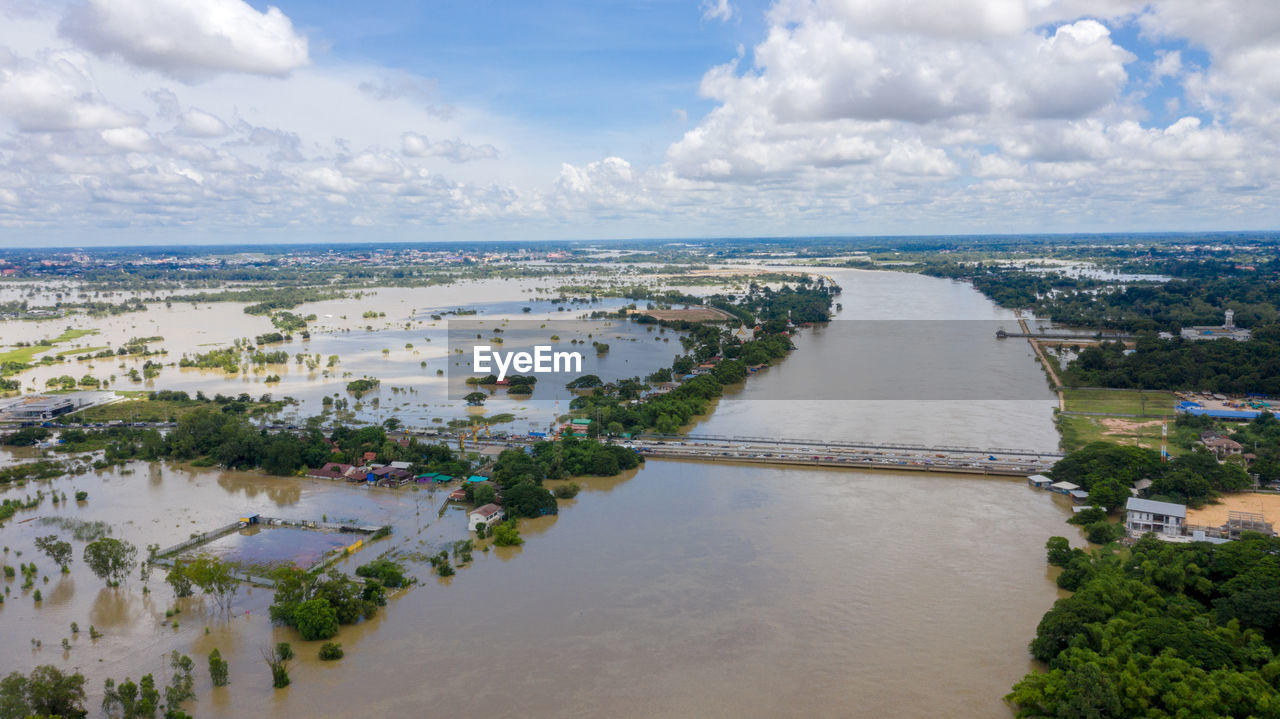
(839, 443)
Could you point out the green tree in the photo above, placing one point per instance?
(218, 669)
(1059, 551)
(330, 651)
(507, 535)
(279, 667)
(130, 700)
(316, 619)
(47, 692)
(179, 580)
(215, 578)
(181, 686)
(111, 559)
(59, 551)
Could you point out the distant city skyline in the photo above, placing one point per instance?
(219, 121)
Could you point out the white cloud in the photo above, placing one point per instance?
(189, 39)
(198, 123)
(415, 145)
(846, 116)
(55, 92)
(717, 10)
(129, 139)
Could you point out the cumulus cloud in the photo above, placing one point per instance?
(415, 145)
(198, 123)
(189, 39)
(845, 116)
(54, 92)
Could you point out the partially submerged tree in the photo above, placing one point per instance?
(60, 551)
(111, 559)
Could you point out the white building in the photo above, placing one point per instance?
(489, 514)
(1228, 331)
(1146, 515)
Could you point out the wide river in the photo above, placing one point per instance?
(678, 590)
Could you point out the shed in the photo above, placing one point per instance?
(477, 478)
(1079, 496)
(1039, 481)
(1063, 487)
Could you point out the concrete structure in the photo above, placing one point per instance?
(40, 407)
(1146, 515)
(489, 514)
(1228, 331)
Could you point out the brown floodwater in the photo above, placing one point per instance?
(679, 589)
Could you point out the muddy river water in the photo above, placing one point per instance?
(679, 589)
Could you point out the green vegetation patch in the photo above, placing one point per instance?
(1148, 403)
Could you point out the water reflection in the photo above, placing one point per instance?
(280, 493)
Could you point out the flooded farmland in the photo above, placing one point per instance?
(677, 589)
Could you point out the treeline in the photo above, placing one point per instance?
(1107, 471)
(519, 475)
(1188, 365)
(1165, 630)
(617, 412)
(1149, 306)
(208, 436)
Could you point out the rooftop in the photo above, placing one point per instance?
(1150, 505)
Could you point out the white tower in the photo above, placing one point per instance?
(1230, 322)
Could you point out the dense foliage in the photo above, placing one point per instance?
(46, 692)
(1107, 471)
(1168, 630)
(1178, 364)
(315, 604)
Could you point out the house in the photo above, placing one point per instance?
(1063, 487)
(402, 465)
(370, 456)
(458, 495)
(1222, 447)
(425, 478)
(1079, 496)
(330, 470)
(1146, 515)
(1039, 481)
(389, 476)
(489, 515)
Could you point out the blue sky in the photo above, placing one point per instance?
(213, 120)
(612, 72)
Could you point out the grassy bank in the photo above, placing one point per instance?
(1078, 431)
(25, 355)
(136, 407)
(1142, 403)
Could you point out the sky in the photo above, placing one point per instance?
(198, 121)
